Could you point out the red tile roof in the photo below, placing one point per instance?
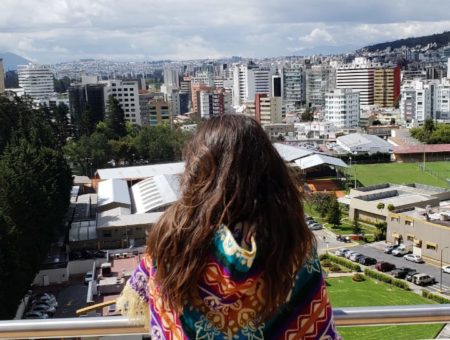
(430, 148)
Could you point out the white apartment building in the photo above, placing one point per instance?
(358, 76)
(127, 94)
(250, 79)
(415, 103)
(315, 129)
(36, 80)
(203, 78)
(320, 79)
(442, 101)
(294, 87)
(342, 108)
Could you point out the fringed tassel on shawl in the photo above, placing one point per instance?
(133, 306)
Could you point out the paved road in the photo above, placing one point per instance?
(376, 250)
(329, 242)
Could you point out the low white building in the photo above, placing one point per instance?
(315, 129)
(358, 143)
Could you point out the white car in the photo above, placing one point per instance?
(413, 258)
(446, 269)
(341, 252)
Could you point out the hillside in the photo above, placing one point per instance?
(441, 39)
(11, 60)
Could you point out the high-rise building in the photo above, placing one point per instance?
(196, 89)
(36, 80)
(171, 77)
(416, 101)
(250, 79)
(342, 108)
(87, 99)
(320, 79)
(268, 110)
(386, 86)
(293, 87)
(159, 112)
(358, 76)
(127, 94)
(442, 101)
(2, 77)
(214, 102)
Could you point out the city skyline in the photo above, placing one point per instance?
(52, 31)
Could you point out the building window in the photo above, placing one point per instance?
(431, 246)
(107, 234)
(407, 222)
(394, 219)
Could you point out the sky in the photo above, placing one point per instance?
(50, 31)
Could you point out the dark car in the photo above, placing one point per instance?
(367, 261)
(384, 266)
(400, 273)
(343, 238)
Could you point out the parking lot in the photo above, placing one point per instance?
(376, 250)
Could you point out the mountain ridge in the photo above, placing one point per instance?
(11, 60)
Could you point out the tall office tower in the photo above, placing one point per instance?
(386, 86)
(342, 108)
(416, 101)
(171, 77)
(2, 77)
(250, 79)
(196, 88)
(127, 94)
(173, 97)
(158, 112)
(268, 109)
(320, 79)
(36, 80)
(358, 76)
(276, 86)
(448, 68)
(87, 98)
(293, 87)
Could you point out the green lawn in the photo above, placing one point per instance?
(400, 173)
(344, 292)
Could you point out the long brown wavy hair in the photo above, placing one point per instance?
(233, 174)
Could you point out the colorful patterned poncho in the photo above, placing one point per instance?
(229, 299)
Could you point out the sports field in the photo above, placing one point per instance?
(401, 173)
(344, 292)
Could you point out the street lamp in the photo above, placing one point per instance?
(350, 160)
(440, 281)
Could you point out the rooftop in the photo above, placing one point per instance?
(359, 139)
(113, 191)
(439, 215)
(141, 172)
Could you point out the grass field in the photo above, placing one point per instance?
(399, 173)
(344, 292)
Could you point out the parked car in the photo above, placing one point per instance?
(446, 269)
(413, 258)
(390, 248)
(355, 257)
(44, 308)
(316, 226)
(402, 272)
(349, 253)
(35, 315)
(384, 266)
(343, 238)
(400, 250)
(423, 279)
(88, 277)
(341, 252)
(409, 276)
(367, 261)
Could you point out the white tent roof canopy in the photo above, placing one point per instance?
(291, 153)
(113, 191)
(143, 171)
(318, 159)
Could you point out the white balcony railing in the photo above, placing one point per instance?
(118, 325)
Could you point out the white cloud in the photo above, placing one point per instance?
(57, 30)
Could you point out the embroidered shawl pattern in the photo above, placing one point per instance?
(230, 297)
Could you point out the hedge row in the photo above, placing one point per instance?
(387, 279)
(434, 297)
(341, 261)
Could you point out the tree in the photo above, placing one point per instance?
(334, 214)
(356, 227)
(381, 231)
(391, 207)
(380, 206)
(115, 118)
(322, 202)
(307, 115)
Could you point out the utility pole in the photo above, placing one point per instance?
(440, 281)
